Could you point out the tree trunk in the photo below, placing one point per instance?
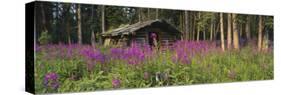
(247, 30)
(93, 37)
(235, 32)
(221, 30)
(143, 16)
(79, 31)
(229, 36)
(198, 32)
(43, 18)
(240, 30)
(217, 28)
(57, 25)
(190, 25)
(186, 16)
(204, 34)
(260, 33)
(148, 14)
(103, 18)
(212, 30)
(68, 32)
(181, 20)
(265, 40)
(139, 14)
(67, 23)
(198, 29)
(156, 16)
(193, 26)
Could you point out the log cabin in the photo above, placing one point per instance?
(143, 33)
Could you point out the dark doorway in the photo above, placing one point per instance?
(153, 38)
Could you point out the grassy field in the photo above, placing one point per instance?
(73, 68)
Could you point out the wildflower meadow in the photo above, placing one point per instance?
(74, 68)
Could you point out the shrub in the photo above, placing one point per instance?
(44, 38)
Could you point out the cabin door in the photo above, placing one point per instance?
(153, 39)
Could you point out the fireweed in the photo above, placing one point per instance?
(184, 51)
(60, 51)
(134, 54)
(147, 65)
(117, 53)
(92, 56)
(115, 83)
(51, 80)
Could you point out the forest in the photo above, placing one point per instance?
(65, 22)
(212, 47)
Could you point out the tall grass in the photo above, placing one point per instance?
(87, 68)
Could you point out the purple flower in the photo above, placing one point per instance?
(116, 83)
(117, 53)
(184, 51)
(51, 80)
(93, 54)
(59, 51)
(134, 54)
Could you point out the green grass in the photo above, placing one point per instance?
(214, 67)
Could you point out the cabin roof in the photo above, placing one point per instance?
(129, 29)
